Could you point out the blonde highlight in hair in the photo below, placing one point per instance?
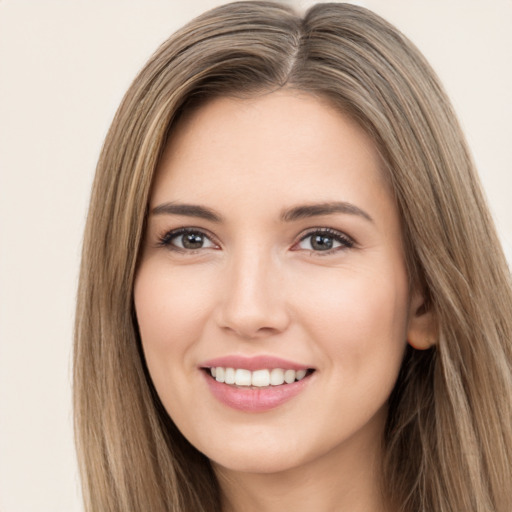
(448, 440)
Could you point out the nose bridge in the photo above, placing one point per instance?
(253, 304)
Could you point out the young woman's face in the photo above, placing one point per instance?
(273, 250)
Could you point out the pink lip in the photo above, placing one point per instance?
(254, 399)
(249, 399)
(253, 363)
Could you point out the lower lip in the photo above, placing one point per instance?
(254, 399)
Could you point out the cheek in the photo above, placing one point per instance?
(358, 316)
(171, 312)
(166, 303)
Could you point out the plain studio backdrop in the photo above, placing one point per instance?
(64, 67)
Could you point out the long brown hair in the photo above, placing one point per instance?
(448, 440)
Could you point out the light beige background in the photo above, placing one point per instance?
(64, 66)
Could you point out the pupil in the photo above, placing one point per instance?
(322, 243)
(192, 241)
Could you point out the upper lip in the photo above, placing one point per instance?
(253, 363)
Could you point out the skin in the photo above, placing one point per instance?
(259, 286)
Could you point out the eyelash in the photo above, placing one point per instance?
(346, 242)
(166, 239)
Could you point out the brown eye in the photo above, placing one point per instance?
(187, 240)
(191, 240)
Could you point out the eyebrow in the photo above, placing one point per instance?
(288, 215)
(188, 210)
(314, 210)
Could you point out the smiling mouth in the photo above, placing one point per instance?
(264, 378)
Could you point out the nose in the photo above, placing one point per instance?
(253, 301)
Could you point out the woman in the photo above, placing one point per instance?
(292, 294)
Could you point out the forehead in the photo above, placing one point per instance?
(285, 142)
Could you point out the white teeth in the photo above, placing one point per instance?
(229, 376)
(258, 378)
(276, 377)
(289, 376)
(300, 374)
(261, 378)
(243, 377)
(219, 374)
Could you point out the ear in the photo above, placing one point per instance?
(422, 329)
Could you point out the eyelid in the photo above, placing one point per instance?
(347, 241)
(164, 240)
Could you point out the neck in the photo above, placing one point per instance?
(346, 479)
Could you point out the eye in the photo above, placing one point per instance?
(324, 240)
(187, 239)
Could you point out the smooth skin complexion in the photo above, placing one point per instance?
(272, 232)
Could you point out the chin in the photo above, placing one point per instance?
(256, 463)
